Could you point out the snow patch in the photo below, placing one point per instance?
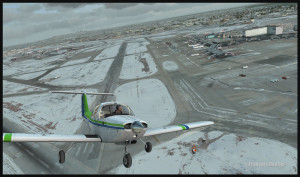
(136, 47)
(29, 75)
(150, 101)
(84, 74)
(9, 166)
(138, 65)
(46, 113)
(108, 52)
(156, 38)
(76, 61)
(170, 65)
(11, 87)
(30, 65)
(219, 154)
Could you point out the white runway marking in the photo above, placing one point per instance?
(86, 145)
(263, 90)
(77, 153)
(196, 101)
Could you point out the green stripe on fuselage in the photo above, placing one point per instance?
(7, 137)
(105, 123)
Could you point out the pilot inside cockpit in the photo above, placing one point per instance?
(114, 109)
(118, 111)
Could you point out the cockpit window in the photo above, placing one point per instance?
(110, 110)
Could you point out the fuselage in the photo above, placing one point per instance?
(115, 128)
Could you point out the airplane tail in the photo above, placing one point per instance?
(85, 107)
(84, 104)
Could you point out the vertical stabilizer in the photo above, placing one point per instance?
(85, 107)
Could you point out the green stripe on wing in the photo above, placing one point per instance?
(7, 137)
(183, 127)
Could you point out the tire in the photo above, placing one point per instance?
(61, 156)
(148, 147)
(127, 161)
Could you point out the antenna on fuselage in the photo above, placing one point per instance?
(86, 93)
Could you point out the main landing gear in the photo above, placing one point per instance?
(127, 160)
(61, 156)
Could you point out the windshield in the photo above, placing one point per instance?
(111, 110)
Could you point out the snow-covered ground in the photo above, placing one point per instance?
(150, 101)
(76, 61)
(170, 66)
(11, 87)
(46, 113)
(160, 37)
(93, 49)
(137, 47)
(81, 74)
(30, 65)
(9, 166)
(29, 75)
(219, 154)
(109, 52)
(138, 65)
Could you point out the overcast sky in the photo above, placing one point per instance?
(28, 22)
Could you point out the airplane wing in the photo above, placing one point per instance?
(22, 137)
(174, 128)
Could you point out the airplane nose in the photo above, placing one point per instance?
(137, 127)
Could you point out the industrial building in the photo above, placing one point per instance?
(275, 30)
(272, 30)
(255, 32)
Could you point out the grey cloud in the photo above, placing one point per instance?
(21, 31)
(29, 8)
(119, 6)
(22, 13)
(11, 16)
(63, 6)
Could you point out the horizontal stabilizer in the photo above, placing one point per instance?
(87, 93)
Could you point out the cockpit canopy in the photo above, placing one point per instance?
(108, 109)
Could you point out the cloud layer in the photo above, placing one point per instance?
(28, 22)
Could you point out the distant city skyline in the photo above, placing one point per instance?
(30, 22)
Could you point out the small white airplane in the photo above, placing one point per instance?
(108, 125)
